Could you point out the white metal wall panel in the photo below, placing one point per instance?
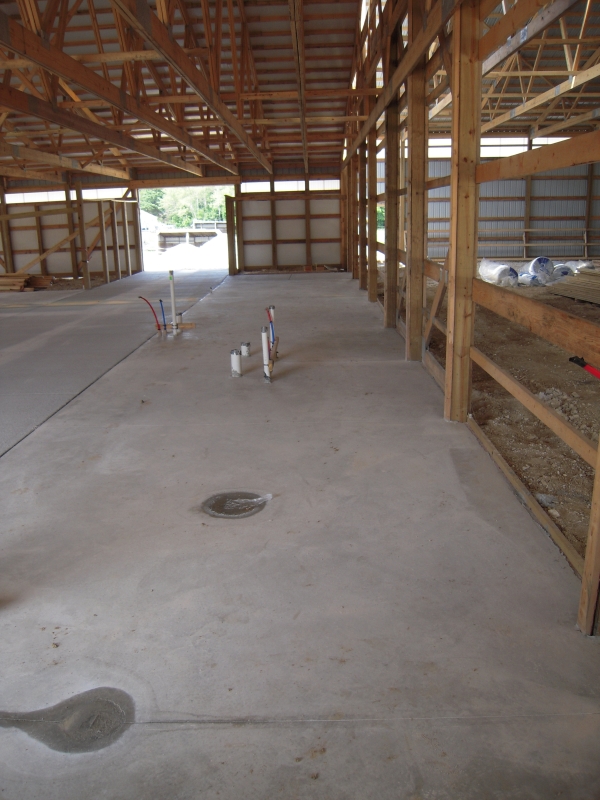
(257, 255)
(326, 253)
(284, 207)
(256, 229)
(291, 255)
(291, 228)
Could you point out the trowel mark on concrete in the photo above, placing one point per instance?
(88, 721)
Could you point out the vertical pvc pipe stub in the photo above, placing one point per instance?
(245, 348)
(236, 364)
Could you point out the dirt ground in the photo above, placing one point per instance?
(71, 283)
(559, 479)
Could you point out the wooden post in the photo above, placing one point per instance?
(273, 227)
(354, 219)
(82, 241)
(344, 219)
(372, 212)
(115, 239)
(138, 238)
(40, 239)
(71, 229)
(527, 212)
(125, 224)
(103, 250)
(590, 582)
(239, 227)
(230, 217)
(464, 208)
(307, 223)
(392, 168)
(588, 210)
(362, 217)
(9, 261)
(416, 196)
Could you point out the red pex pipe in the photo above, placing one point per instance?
(587, 367)
(152, 310)
(593, 371)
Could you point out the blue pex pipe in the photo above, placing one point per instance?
(162, 308)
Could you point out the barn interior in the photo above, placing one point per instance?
(329, 525)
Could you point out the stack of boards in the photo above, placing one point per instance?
(24, 283)
(585, 285)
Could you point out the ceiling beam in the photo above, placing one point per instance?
(140, 16)
(30, 154)
(28, 105)
(297, 30)
(25, 43)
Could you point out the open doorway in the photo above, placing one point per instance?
(184, 228)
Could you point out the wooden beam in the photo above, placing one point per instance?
(363, 270)
(142, 19)
(372, 215)
(33, 106)
(40, 241)
(392, 174)
(273, 211)
(590, 584)
(115, 239)
(507, 26)
(20, 153)
(7, 250)
(297, 31)
(583, 149)
(125, 226)
(464, 205)
(574, 82)
(569, 122)
(71, 229)
(239, 228)
(572, 334)
(436, 19)
(81, 235)
(416, 197)
(137, 232)
(24, 42)
(103, 250)
(556, 422)
(230, 217)
(307, 217)
(344, 218)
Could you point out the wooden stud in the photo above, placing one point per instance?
(273, 227)
(115, 239)
(137, 232)
(416, 196)
(40, 241)
(81, 236)
(372, 215)
(103, 249)
(392, 174)
(71, 229)
(362, 218)
(344, 218)
(125, 226)
(230, 217)
(307, 213)
(462, 260)
(590, 584)
(239, 228)
(7, 248)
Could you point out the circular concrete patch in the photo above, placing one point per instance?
(234, 504)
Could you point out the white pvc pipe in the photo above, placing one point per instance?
(264, 332)
(245, 348)
(236, 364)
(173, 307)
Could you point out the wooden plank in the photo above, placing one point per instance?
(462, 255)
(40, 241)
(115, 239)
(434, 368)
(344, 218)
(230, 217)
(583, 149)
(7, 249)
(590, 584)
(513, 19)
(19, 152)
(239, 228)
(416, 197)
(556, 422)
(528, 500)
(273, 227)
(363, 269)
(574, 335)
(142, 19)
(392, 175)
(309, 259)
(71, 229)
(424, 36)
(137, 232)
(372, 215)
(125, 226)
(103, 249)
(83, 260)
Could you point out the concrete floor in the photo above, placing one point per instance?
(392, 625)
(55, 344)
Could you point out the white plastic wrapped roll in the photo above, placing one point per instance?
(497, 272)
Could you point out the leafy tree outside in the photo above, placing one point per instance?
(181, 205)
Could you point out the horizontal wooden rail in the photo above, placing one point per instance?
(558, 424)
(574, 335)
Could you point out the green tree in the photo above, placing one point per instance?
(184, 204)
(151, 200)
(381, 216)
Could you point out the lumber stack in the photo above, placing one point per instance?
(25, 283)
(585, 285)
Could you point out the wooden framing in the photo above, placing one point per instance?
(230, 217)
(372, 215)
(363, 267)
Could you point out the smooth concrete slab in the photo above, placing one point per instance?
(392, 625)
(55, 344)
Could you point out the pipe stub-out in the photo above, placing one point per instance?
(236, 364)
(245, 348)
(234, 504)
